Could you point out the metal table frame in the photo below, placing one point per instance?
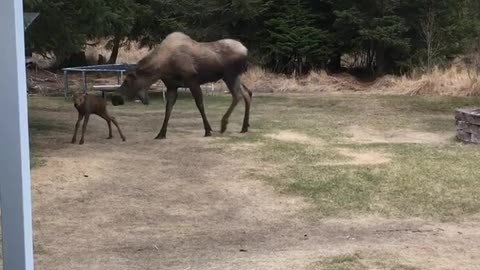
(120, 69)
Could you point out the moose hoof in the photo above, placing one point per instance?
(208, 134)
(109, 137)
(160, 137)
(244, 130)
(73, 141)
(124, 139)
(224, 128)
(81, 142)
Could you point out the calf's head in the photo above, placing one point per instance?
(78, 99)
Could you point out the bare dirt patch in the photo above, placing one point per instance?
(294, 137)
(364, 135)
(360, 158)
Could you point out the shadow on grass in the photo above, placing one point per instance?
(38, 128)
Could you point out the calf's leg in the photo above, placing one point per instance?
(84, 128)
(109, 123)
(109, 120)
(77, 125)
(118, 128)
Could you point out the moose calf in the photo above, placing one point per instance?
(89, 104)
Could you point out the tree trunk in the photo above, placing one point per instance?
(429, 29)
(335, 63)
(116, 47)
(380, 59)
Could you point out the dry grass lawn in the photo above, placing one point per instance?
(333, 181)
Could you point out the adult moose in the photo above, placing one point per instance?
(180, 61)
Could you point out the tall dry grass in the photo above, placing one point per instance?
(458, 80)
(315, 81)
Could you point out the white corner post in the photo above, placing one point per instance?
(15, 189)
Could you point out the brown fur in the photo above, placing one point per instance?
(89, 104)
(180, 61)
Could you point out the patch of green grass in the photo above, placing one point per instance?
(42, 125)
(39, 126)
(429, 104)
(337, 188)
(55, 104)
(438, 181)
(439, 124)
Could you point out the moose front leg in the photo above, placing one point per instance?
(172, 95)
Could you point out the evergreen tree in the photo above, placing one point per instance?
(154, 19)
(375, 30)
(290, 36)
(118, 23)
(439, 30)
(64, 26)
(291, 40)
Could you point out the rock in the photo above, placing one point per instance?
(468, 125)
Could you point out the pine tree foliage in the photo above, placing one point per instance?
(290, 36)
(292, 41)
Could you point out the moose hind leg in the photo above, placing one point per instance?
(197, 95)
(171, 99)
(247, 97)
(235, 89)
